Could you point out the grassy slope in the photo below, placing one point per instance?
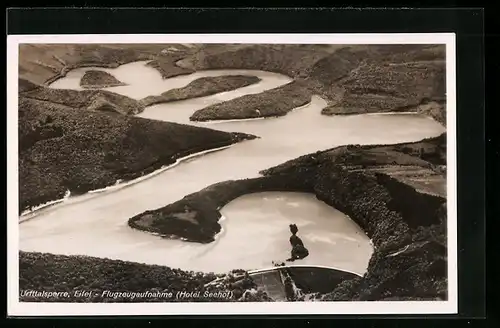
(361, 182)
(353, 79)
(202, 87)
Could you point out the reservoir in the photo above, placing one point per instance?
(255, 227)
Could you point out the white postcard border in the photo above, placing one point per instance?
(17, 308)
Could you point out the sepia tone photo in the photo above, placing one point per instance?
(232, 172)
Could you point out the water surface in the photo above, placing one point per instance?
(329, 235)
(256, 226)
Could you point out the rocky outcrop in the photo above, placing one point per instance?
(93, 79)
(202, 87)
(271, 103)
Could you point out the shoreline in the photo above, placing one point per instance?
(43, 206)
(68, 68)
(98, 103)
(389, 220)
(222, 230)
(118, 186)
(399, 246)
(208, 215)
(99, 87)
(323, 59)
(337, 74)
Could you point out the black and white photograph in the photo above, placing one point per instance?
(299, 174)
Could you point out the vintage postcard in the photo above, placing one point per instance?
(231, 174)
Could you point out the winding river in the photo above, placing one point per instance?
(255, 227)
